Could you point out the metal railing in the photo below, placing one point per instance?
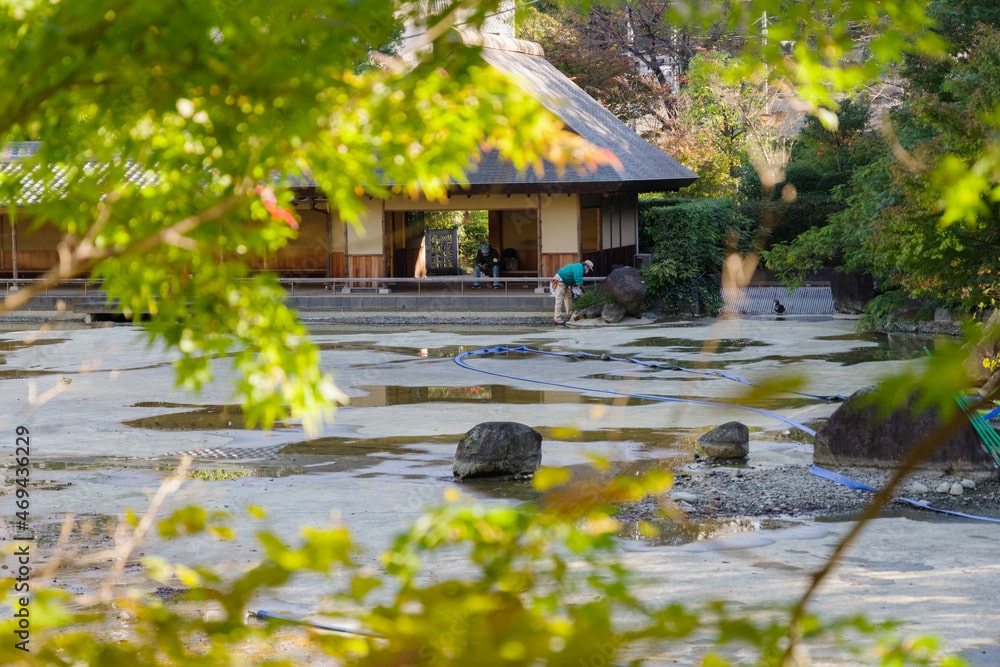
(84, 285)
(378, 285)
(437, 284)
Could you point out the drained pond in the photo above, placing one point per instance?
(107, 421)
(107, 425)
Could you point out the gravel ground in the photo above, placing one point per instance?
(705, 490)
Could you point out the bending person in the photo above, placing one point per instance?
(565, 280)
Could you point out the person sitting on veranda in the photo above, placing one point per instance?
(487, 262)
(568, 279)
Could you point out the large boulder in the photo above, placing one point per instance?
(856, 435)
(498, 449)
(728, 441)
(625, 286)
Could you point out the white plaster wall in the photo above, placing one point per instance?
(560, 223)
(366, 238)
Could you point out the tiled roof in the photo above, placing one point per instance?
(38, 182)
(645, 167)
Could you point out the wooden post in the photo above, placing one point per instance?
(13, 251)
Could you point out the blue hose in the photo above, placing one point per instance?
(460, 360)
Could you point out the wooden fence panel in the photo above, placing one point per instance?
(366, 266)
(552, 262)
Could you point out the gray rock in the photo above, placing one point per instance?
(943, 487)
(626, 287)
(851, 291)
(498, 449)
(613, 313)
(956, 489)
(968, 484)
(856, 434)
(728, 441)
(589, 313)
(919, 488)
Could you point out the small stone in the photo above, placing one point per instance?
(956, 489)
(729, 441)
(968, 483)
(684, 497)
(943, 487)
(919, 488)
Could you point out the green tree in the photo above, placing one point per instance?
(723, 123)
(170, 136)
(924, 224)
(955, 21)
(838, 151)
(596, 57)
(709, 132)
(821, 160)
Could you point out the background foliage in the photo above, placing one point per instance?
(689, 240)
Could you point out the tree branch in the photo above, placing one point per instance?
(78, 259)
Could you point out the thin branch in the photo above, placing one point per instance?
(921, 453)
(78, 260)
(126, 541)
(124, 551)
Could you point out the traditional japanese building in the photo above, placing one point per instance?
(538, 221)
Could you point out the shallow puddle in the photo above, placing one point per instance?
(95, 530)
(7, 345)
(19, 373)
(720, 346)
(202, 418)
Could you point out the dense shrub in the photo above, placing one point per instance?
(688, 240)
(803, 177)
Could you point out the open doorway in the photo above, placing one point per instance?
(517, 240)
(412, 235)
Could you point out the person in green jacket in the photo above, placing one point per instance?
(566, 279)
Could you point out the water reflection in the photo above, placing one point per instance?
(721, 346)
(201, 418)
(675, 532)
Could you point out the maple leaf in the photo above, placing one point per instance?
(270, 202)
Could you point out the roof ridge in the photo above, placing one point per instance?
(472, 37)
